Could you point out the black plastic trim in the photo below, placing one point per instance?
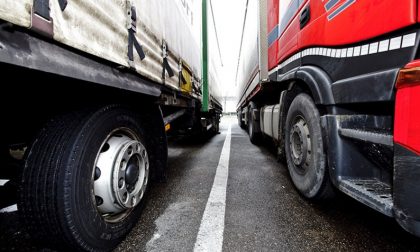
(305, 16)
(406, 182)
(407, 189)
(319, 83)
(373, 87)
(317, 80)
(42, 8)
(349, 159)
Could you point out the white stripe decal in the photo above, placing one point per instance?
(330, 4)
(364, 50)
(3, 182)
(395, 43)
(408, 40)
(9, 209)
(356, 51)
(210, 234)
(383, 45)
(338, 53)
(350, 52)
(373, 48)
(340, 9)
(343, 53)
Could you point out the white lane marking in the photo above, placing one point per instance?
(9, 209)
(210, 234)
(172, 226)
(3, 182)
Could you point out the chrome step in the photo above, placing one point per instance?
(371, 192)
(367, 136)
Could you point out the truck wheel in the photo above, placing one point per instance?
(241, 123)
(254, 131)
(217, 126)
(85, 179)
(216, 122)
(304, 146)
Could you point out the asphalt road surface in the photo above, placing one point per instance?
(242, 199)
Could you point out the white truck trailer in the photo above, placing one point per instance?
(96, 86)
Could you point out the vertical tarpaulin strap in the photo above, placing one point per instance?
(132, 40)
(42, 8)
(166, 66)
(41, 17)
(182, 80)
(63, 4)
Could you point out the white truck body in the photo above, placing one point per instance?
(100, 28)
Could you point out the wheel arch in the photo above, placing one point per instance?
(307, 79)
(313, 80)
(318, 82)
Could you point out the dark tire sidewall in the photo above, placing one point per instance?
(91, 231)
(253, 127)
(250, 126)
(310, 183)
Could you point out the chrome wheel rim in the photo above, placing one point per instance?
(300, 144)
(120, 175)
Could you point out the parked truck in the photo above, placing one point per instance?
(93, 87)
(336, 85)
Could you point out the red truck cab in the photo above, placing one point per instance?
(342, 99)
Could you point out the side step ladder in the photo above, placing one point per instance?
(361, 139)
(373, 193)
(367, 136)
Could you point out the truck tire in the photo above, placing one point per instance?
(216, 124)
(241, 122)
(306, 160)
(254, 131)
(85, 179)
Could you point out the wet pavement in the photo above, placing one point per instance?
(263, 210)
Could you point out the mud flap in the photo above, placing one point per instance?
(407, 189)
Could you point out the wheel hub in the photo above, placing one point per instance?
(124, 170)
(132, 173)
(300, 144)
